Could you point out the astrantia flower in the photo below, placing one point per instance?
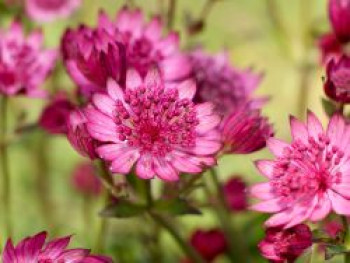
(156, 127)
(92, 56)
(85, 180)
(330, 47)
(285, 245)
(78, 135)
(337, 85)
(235, 194)
(35, 249)
(218, 82)
(309, 178)
(339, 15)
(49, 10)
(245, 131)
(55, 115)
(209, 243)
(24, 65)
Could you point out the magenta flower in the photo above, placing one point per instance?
(85, 180)
(245, 131)
(209, 243)
(285, 245)
(337, 85)
(309, 178)
(218, 82)
(50, 10)
(34, 249)
(55, 115)
(78, 135)
(330, 47)
(154, 126)
(24, 65)
(235, 194)
(339, 15)
(91, 56)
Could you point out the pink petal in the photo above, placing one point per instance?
(169, 45)
(165, 170)
(342, 189)
(73, 255)
(153, 30)
(269, 206)
(276, 146)
(204, 147)
(55, 247)
(144, 167)
(104, 103)
(279, 219)
(187, 89)
(322, 209)
(186, 165)
(153, 79)
(111, 152)
(336, 127)
(262, 191)
(114, 90)
(301, 212)
(204, 109)
(124, 162)
(9, 254)
(208, 123)
(176, 67)
(314, 126)
(266, 167)
(340, 205)
(133, 79)
(299, 130)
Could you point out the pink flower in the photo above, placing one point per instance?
(154, 126)
(49, 10)
(91, 56)
(245, 131)
(55, 115)
(309, 178)
(225, 86)
(330, 47)
(85, 180)
(78, 135)
(235, 194)
(332, 228)
(209, 243)
(337, 85)
(34, 249)
(285, 245)
(24, 65)
(339, 15)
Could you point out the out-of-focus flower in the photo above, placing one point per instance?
(220, 83)
(50, 10)
(24, 64)
(35, 249)
(330, 47)
(245, 131)
(78, 135)
(337, 85)
(235, 194)
(154, 126)
(92, 56)
(309, 177)
(285, 245)
(85, 180)
(332, 228)
(209, 243)
(55, 115)
(339, 15)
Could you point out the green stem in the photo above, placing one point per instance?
(87, 216)
(186, 248)
(171, 14)
(233, 237)
(5, 168)
(304, 73)
(346, 238)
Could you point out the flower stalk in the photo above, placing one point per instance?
(346, 238)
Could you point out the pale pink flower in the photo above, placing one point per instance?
(50, 10)
(35, 249)
(309, 178)
(24, 64)
(154, 126)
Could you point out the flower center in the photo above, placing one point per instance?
(156, 120)
(305, 169)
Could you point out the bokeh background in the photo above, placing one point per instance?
(276, 37)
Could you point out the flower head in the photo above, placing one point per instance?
(245, 131)
(309, 178)
(49, 10)
(330, 47)
(78, 135)
(209, 243)
(154, 126)
(85, 180)
(35, 249)
(339, 15)
(337, 85)
(55, 115)
(218, 82)
(24, 65)
(285, 245)
(235, 194)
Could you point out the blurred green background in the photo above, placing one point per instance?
(247, 29)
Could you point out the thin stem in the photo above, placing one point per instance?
(233, 237)
(87, 216)
(346, 238)
(148, 190)
(305, 74)
(5, 168)
(186, 248)
(171, 14)
(208, 6)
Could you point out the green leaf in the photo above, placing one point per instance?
(175, 207)
(123, 209)
(334, 250)
(329, 107)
